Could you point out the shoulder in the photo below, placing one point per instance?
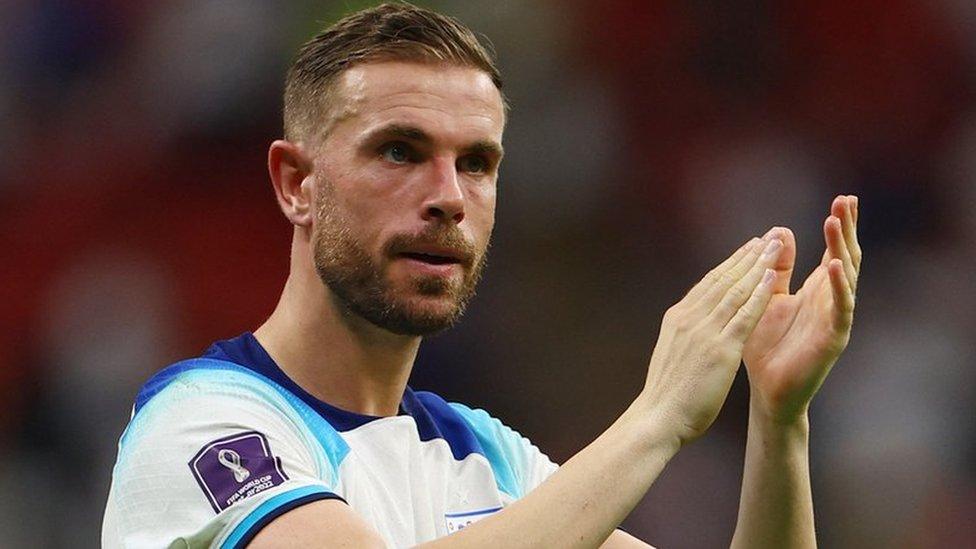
(195, 402)
(211, 447)
(202, 389)
(197, 376)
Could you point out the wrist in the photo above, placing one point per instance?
(783, 412)
(795, 423)
(652, 427)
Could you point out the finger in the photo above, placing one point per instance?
(786, 260)
(719, 279)
(738, 294)
(706, 282)
(727, 278)
(837, 210)
(744, 321)
(850, 233)
(837, 248)
(843, 295)
(842, 209)
(847, 223)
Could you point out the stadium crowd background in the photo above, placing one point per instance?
(647, 139)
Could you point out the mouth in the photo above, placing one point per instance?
(434, 260)
(431, 258)
(431, 254)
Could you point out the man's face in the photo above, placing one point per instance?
(405, 192)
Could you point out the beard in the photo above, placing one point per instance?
(361, 284)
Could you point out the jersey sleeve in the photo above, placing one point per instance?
(519, 466)
(211, 459)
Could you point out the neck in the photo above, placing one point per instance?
(335, 355)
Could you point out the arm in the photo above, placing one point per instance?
(776, 505)
(580, 505)
(329, 523)
(787, 357)
(622, 540)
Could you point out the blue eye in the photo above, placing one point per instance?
(398, 153)
(473, 164)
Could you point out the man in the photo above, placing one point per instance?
(305, 434)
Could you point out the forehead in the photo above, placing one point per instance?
(438, 97)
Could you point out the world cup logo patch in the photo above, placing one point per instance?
(236, 467)
(232, 460)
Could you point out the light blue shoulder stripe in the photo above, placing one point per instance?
(224, 375)
(502, 447)
(268, 507)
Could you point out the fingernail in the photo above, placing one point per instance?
(773, 247)
(771, 233)
(768, 276)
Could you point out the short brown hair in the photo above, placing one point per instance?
(396, 31)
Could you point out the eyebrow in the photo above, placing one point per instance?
(413, 133)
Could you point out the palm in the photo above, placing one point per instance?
(801, 335)
(795, 344)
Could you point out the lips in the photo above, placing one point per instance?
(436, 255)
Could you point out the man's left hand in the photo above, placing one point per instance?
(801, 335)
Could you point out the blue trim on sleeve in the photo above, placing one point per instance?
(271, 509)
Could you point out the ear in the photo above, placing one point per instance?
(290, 167)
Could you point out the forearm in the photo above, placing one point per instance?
(587, 498)
(776, 505)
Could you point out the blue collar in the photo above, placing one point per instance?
(248, 352)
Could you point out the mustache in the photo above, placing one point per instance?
(449, 237)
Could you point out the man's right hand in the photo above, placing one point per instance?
(700, 345)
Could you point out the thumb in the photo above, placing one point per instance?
(786, 261)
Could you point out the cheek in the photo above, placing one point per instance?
(481, 213)
(363, 200)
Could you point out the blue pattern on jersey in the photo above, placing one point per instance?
(436, 419)
(328, 438)
(501, 446)
(466, 431)
(247, 351)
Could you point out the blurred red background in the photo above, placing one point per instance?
(647, 139)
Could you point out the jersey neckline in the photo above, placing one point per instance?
(245, 350)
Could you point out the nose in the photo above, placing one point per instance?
(445, 201)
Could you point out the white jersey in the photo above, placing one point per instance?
(220, 446)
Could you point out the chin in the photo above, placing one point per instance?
(420, 323)
(422, 315)
(432, 306)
